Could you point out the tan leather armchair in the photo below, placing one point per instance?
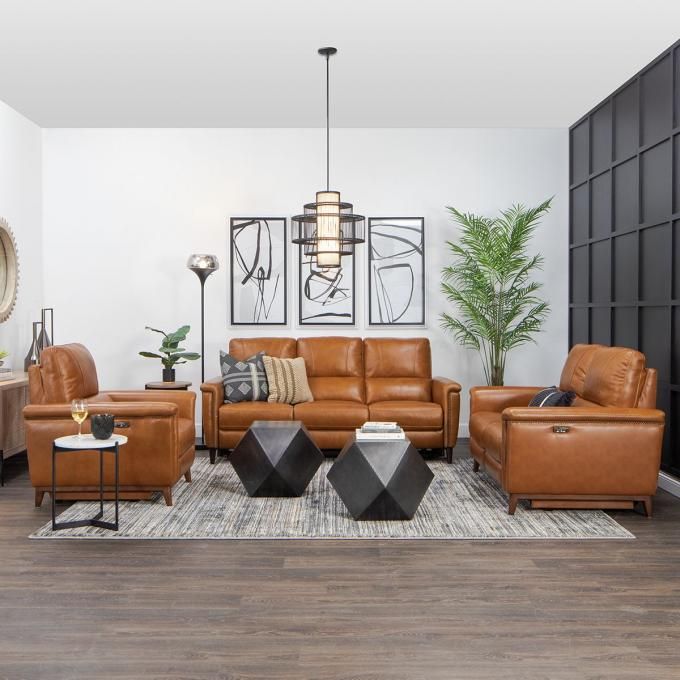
(160, 429)
(602, 452)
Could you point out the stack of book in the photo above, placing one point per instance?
(5, 373)
(379, 431)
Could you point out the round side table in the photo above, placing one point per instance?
(177, 385)
(87, 443)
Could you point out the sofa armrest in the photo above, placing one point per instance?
(446, 393)
(574, 450)
(184, 400)
(213, 397)
(496, 399)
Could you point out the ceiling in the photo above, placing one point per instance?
(253, 63)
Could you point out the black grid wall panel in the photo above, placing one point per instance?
(625, 228)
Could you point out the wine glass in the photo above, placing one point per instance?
(79, 414)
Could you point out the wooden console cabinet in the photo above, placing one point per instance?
(13, 398)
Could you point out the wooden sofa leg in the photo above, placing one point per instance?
(187, 475)
(475, 465)
(512, 504)
(648, 506)
(39, 495)
(449, 454)
(213, 456)
(167, 495)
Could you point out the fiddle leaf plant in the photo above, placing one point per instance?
(490, 283)
(170, 351)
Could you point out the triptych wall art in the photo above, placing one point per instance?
(395, 295)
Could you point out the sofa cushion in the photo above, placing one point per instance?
(242, 348)
(244, 380)
(486, 429)
(335, 367)
(331, 414)
(287, 379)
(241, 416)
(576, 366)
(68, 372)
(411, 415)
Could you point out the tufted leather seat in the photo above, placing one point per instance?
(161, 430)
(352, 380)
(602, 452)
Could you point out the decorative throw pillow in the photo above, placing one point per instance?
(551, 396)
(287, 380)
(244, 380)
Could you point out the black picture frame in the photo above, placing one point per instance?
(268, 306)
(302, 287)
(376, 313)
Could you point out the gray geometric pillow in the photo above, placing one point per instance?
(244, 380)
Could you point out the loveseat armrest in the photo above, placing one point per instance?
(213, 397)
(446, 393)
(496, 399)
(582, 450)
(185, 401)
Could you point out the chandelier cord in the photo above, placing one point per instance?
(328, 144)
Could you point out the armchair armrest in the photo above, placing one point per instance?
(213, 397)
(446, 393)
(582, 450)
(496, 399)
(185, 401)
(122, 409)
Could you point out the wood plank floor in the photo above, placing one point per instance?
(332, 609)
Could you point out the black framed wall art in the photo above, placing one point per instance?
(259, 271)
(396, 271)
(325, 296)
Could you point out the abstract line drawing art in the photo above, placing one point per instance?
(258, 271)
(396, 271)
(326, 296)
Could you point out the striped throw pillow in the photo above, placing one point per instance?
(287, 380)
(243, 380)
(551, 396)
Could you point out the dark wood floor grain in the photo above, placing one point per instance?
(558, 610)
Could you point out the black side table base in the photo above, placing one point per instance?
(97, 520)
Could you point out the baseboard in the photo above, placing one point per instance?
(669, 483)
(463, 431)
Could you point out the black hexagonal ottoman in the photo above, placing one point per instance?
(380, 480)
(276, 458)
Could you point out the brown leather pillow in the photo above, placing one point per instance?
(287, 380)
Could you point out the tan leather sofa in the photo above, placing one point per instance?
(160, 428)
(352, 380)
(604, 451)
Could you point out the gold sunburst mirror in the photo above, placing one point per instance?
(9, 271)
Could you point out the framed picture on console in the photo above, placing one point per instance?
(259, 271)
(396, 271)
(325, 298)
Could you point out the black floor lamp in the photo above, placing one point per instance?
(203, 266)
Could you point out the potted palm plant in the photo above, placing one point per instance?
(490, 283)
(171, 353)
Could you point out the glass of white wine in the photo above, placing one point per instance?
(79, 414)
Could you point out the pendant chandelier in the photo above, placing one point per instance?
(328, 229)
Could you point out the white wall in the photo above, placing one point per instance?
(123, 209)
(21, 206)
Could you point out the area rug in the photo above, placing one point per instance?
(459, 504)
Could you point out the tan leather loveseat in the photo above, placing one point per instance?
(352, 380)
(603, 451)
(160, 428)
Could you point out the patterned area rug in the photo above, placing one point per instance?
(458, 505)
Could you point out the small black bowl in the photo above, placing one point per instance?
(102, 425)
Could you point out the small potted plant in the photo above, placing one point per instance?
(171, 353)
(3, 356)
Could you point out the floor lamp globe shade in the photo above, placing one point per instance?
(203, 265)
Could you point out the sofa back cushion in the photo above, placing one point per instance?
(66, 372)
(335, 367)
(604, 376)
(398, 369)
(243, 348)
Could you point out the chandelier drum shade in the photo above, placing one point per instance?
(328, 229)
